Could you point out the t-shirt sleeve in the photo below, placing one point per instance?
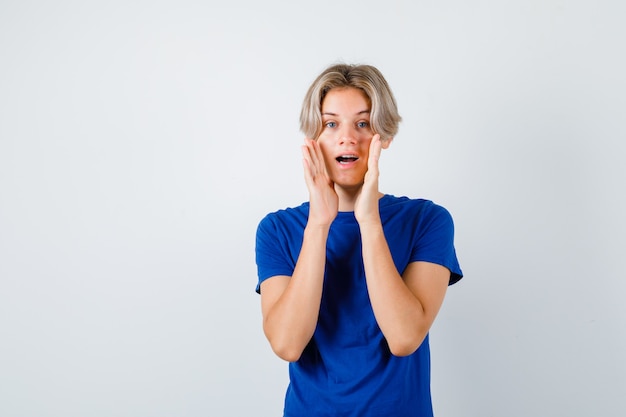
(435, 242)
(272, 257)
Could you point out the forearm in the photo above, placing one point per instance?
(399, 313)
(290, 322)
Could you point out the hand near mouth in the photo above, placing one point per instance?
(323, 199)
(366, 205)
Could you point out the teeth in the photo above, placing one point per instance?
(347, 158)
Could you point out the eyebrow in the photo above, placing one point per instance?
(334, 114)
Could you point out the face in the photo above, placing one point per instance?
(346, 135)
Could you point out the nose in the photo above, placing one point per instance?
(347, 135)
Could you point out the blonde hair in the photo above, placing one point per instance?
(384, 117)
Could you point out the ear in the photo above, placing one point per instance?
(385, 143)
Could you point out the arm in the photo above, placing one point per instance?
(404, 306)
(290, 305)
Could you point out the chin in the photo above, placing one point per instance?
(349, 186)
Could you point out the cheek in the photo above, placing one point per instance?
(324, 137)
(324, 141)
(323, 147)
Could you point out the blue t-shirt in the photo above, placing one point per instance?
(347, 368)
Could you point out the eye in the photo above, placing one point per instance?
(363, 124)
(330, 124)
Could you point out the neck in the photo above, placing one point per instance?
(348, 197)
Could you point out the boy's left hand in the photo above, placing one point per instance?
(366, 205)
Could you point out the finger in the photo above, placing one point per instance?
(313, 154)
(309, 148)
(318, 157)
(306, 154)
(308, 164)
(375, 150)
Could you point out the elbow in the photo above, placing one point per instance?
(286, 352)
(402, 350)
(406, 346)
(284, 344)
(285, 347)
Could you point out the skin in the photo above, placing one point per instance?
(405, 306)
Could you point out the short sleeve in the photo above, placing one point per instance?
(272, 254)
(435, 241)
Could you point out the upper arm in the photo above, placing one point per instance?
(428, 282)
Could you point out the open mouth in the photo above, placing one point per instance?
(346, 159)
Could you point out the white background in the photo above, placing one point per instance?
(142, 141)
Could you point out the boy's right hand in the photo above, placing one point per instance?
(323, 200)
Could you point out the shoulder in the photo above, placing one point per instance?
(422, 221)
(413, 207)
(289, 217)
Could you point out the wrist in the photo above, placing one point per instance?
(317, 228)
(370, 225)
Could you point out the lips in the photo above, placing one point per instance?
(347, 159)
